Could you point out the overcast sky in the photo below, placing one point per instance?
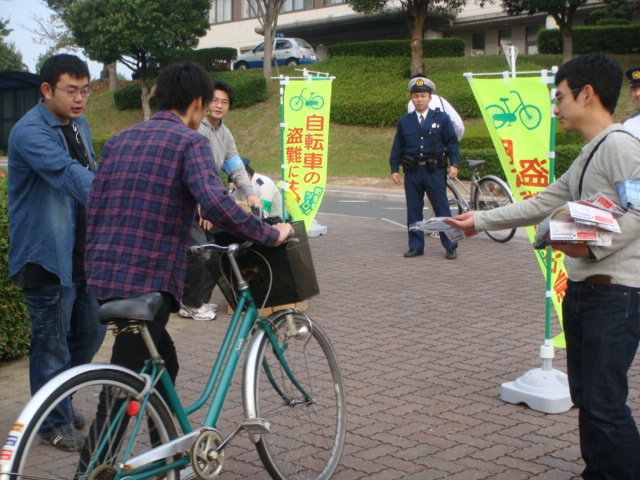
(22, 13)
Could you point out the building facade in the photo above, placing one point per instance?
(327, 22)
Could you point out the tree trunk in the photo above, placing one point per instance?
(145, 98)
(417, 30)
(268, 48)
(567, 43)
(113, 76)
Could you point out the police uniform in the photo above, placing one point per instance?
(434, 138)
(633, 123)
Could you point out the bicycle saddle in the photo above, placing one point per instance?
(143, 308)
(475, 163)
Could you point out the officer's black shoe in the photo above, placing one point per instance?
(451, 254)
(413, 253)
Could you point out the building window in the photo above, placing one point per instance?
(293, 5)
(504, 38)
(221, 11)
(247, 11)
(532, 36)
(477, 44)
(334, 2)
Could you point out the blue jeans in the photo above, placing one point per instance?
(416, 184)
(601, 326)
(64, 333)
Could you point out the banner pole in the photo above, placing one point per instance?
(283, 82)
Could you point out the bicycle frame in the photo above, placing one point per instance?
(153, 462)
(458, 187)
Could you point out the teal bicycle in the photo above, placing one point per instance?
(293, 400)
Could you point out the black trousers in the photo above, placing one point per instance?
(201, 275)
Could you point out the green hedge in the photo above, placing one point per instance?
(15, 330)
(212, 59)
(129, 97)
(384, 97)
(440, 47)
(249, 88)
(565, 155)
(596, 39)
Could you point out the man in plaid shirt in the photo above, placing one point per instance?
(151, 178)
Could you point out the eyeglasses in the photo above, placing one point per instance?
(73, 92)
(218, 101)
(562, 95)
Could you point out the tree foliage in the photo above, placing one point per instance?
(562, 11)
(10, 56)
(414, 13)
(267, 11)
(140, 34)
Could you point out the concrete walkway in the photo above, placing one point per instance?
(425, 344)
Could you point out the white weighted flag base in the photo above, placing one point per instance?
(543, 389)
(315, 230)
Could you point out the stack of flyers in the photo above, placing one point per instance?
(591, 221)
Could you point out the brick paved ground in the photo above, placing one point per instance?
(425, 344)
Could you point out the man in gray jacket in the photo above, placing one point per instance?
(201, 276)
(600, 308)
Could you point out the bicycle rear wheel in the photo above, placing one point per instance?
(306, 438)
(493, 193)
(103, 401)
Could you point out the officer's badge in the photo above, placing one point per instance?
(636, 75)
(420, 82)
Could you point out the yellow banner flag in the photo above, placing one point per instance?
(306, 108)
(517, 112)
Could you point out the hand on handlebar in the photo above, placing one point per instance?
(286, 232)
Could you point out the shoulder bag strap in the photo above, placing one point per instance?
(586, 164)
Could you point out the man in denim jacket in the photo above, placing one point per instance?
(51, 164)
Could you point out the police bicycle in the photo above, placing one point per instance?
(294, 406)
(484, 193)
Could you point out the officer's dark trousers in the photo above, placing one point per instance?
(416, 184)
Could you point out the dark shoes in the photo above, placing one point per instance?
(451, 254)
(68, 439)
(413, 253)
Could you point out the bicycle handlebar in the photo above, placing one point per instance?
(233, 247)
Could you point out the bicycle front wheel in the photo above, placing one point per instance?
(104, 412)
(493, 193)
(307, 436)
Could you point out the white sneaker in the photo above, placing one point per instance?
(202, 313)
(212, 307)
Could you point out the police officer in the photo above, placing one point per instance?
(426, 146)
(633, 123)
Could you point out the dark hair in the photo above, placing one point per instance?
(60, 64)
(225, 87)
(178, 85)
(602, 73)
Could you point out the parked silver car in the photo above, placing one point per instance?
(286, 51)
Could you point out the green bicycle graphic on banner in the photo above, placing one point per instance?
(529, 115)
(312, 101)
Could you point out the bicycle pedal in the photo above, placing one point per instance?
(256, 426)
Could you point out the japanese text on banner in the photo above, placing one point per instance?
(305, 146)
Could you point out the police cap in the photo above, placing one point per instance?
(421, 84)
(634, 77)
